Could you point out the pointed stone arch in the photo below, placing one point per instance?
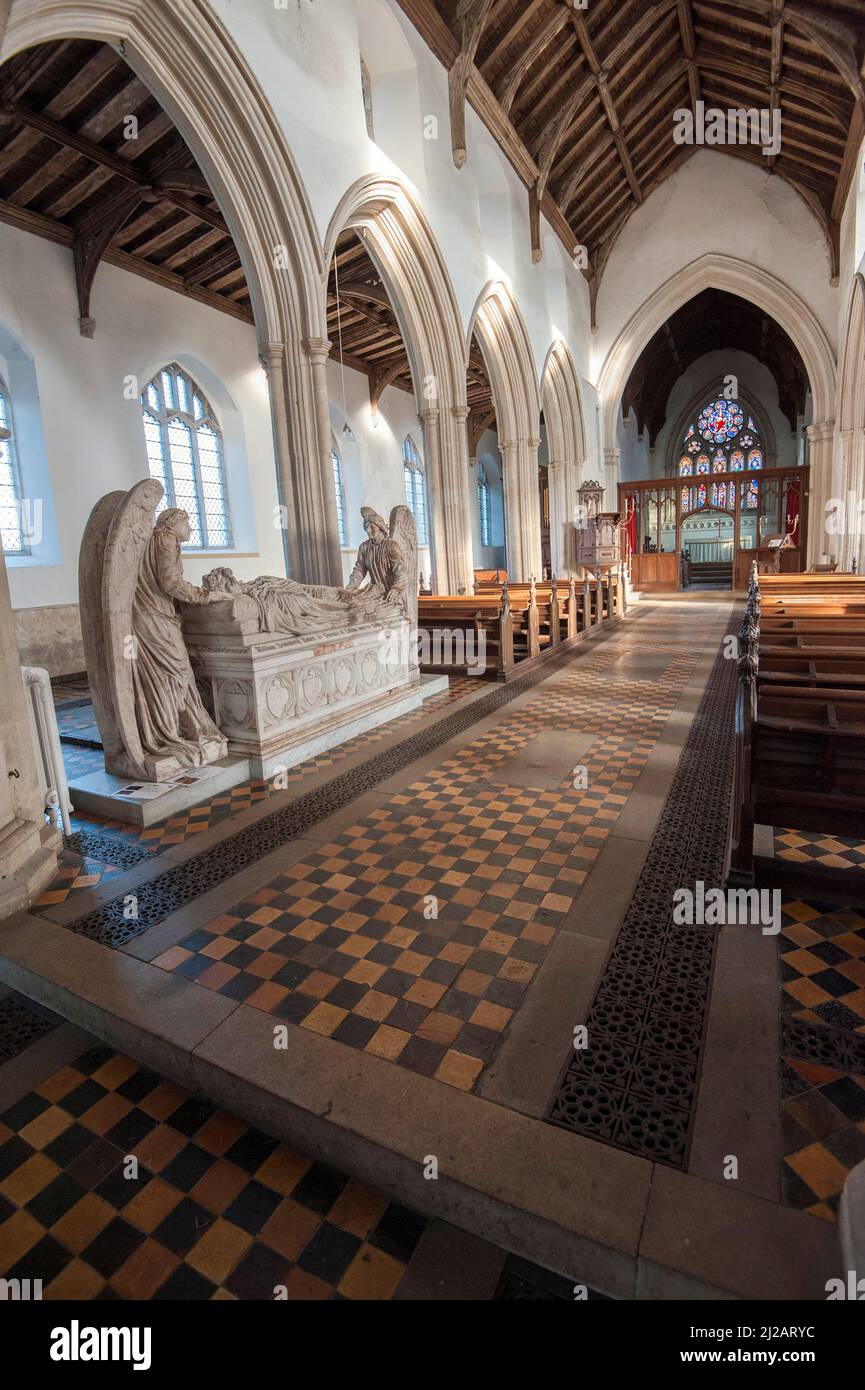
(848, 473)
(186, 58)
(561, 403)
(504, 342)
(717, 271)
(397, 236)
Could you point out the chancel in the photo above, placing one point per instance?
(432, 657)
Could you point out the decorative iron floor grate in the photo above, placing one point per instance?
(165, 894)
(823, 1045)
(108, 849)
(21, 1026)
(635, 1084)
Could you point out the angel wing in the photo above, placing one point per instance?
(403, 533)
(91, 561)
(129, 532)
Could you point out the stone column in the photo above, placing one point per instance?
(522, 508)
(28, 847)
(319, 351)
(825, 482)
(848, 476)
(564, 500)
(310, 538)
(446, 448)
(612, 468)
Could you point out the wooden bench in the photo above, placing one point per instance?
(800, 719)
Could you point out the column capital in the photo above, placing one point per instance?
(318, 348)
(271, 354)
(821, 431)
(460, 412)
(430, 415)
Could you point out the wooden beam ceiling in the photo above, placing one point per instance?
(89, 159)
(582, 100)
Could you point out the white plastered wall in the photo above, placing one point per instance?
(92, 432)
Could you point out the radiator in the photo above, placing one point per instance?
(50, 768)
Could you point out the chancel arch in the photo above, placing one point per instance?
(776, 299)
(393, 231)
(501, 333)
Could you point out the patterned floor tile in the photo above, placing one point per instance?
(822, 974)
(212, 1208)
(415, 934)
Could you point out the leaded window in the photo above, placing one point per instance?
(11, 530)
(484, 505)
(415, 488)
(184, 451)
(339, 494)
(721, 425)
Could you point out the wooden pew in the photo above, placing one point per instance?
(800, 716)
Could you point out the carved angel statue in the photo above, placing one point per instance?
(145, 700)
(388, 560)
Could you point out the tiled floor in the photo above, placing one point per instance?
(115, 1183)
(823, 1108)
(79, 871)
(415, 934)
(823, 851)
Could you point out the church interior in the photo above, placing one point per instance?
(432, 734)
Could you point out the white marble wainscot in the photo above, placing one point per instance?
(279, 700)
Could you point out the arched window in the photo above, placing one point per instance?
(721, 424)
(184, 450)
(484, 507)
(339, 493)
(11, 529)
(415, 488)
(366, 88)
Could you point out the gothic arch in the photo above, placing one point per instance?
(566, 438)
(721, 272)
(502, 335)
(194, 70)
(848, 473)
(399, 240)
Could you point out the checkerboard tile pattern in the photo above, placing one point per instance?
(823, 964)
(215, 1209)
(823, 1134)
(415, 934)
(823, 851)
(77, 872)
(822, 950)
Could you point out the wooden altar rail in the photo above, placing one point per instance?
(516, 626)
(800, 723)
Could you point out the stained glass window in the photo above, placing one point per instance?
(415, 488)
(720, 421)
(750, 494)
(701, 495)
(686, 498)
(184, 451)
(722, 424)
(484, 507)
(11, 530)
(339, 494)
